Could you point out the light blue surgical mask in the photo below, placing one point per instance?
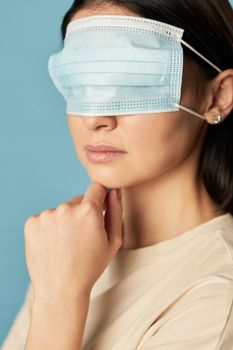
(120, 65)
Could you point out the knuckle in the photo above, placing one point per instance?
(29, 222)
(89, 206)
(45, 214)
(63, 208)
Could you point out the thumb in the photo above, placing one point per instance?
(113, 218)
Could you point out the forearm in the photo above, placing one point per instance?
(58, 324)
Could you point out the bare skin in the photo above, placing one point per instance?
(69, 247)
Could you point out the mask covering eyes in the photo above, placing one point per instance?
(120, 65)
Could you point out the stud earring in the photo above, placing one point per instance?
(217, 119)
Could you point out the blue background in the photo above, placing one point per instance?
(38, 165)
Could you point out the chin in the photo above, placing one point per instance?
(108, 183)
(114, 180)
(110, 179)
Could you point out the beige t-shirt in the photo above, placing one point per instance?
(173, 295)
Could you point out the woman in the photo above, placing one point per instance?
(156, 271)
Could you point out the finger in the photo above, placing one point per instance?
(113, 218)
(75, 200)
(49, 210)
(96, 193)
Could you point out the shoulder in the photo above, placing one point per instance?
(202, 318)
(226, 236)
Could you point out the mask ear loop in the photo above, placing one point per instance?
(211, 64)
(190, 111)
(200, 55)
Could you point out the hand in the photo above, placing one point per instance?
(69, 247)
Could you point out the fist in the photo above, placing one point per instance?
(67, 248)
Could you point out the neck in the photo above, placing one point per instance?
(165, 207)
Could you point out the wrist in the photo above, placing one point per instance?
(60, 298)
(60, 303)
(58, 321)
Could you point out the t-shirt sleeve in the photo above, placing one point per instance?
(17, 334)
(199, 320)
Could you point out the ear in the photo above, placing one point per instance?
(220, 96)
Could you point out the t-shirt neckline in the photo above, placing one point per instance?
(166, 245)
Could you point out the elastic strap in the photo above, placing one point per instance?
(189, 110)
(200, 55)
(211, 64)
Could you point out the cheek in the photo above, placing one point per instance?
(162, 142)
(77, 132)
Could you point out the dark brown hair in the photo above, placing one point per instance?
(208, 27)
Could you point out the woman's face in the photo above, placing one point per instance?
(155, 143)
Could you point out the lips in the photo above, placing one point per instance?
(102, 148)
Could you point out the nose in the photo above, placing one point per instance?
(99, 122)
